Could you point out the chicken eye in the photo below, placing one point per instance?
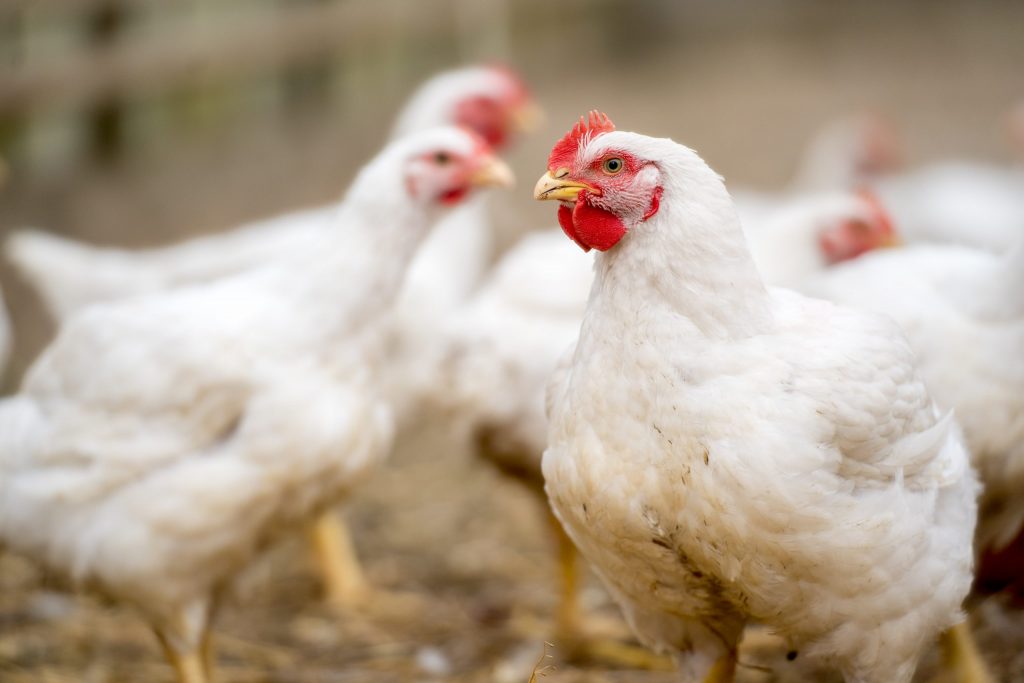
(442, 158)
(613, 165)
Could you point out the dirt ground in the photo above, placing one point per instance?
(461, 558)
(463, 570)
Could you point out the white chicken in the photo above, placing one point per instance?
(846, 152)
(506, 342)
(964, 203)
(161, 441)
(843, 155)
(962, 310)
(503, 346)
(489, 100)
(807, 233)
(723, 452)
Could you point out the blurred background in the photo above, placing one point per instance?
(139, 122)
(136, 122)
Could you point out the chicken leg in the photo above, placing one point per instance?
(344, 582)
(187, 662)
(567, 620)
(568, 629)
(723, 670)
(961, 656)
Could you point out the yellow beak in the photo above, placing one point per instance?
(892, 241)
(493, 173)
(557, 187)
(527, 118)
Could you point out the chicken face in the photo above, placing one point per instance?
(447, 169)
(868, 227)
(497, 108)
(603, 190)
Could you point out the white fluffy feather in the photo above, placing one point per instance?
(957, 203)
(963, 312)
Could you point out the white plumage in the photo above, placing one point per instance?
(504, 344)
(162, 440)
(963, 312)
(5, 336)
(506, 341)
(957, 203)
(71, 274)
(787, 242)
(724, 453)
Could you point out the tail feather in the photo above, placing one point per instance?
(70, 275)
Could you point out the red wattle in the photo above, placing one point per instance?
(595, 227)
(565, 220)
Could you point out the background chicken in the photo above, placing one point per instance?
(843, 155)
(804, 235)
(490, 100)
(963, 312)
(503, 346)
(723, 452)
(977, 205)
(160, 442)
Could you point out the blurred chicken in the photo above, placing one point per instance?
(808, 233)
(161, 441)
(490, 100)
(723, 452)
(963, 312)
(503, 346)
(847, 152)
(843, 155)
(971, 204)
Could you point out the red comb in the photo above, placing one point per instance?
(564, 150)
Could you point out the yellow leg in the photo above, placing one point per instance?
(724, 670)
(567, 623)
(568, 629)
(961, 656)
(209, 657)
(344, 583)
(188, 666)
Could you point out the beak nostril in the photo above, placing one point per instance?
(560, 173)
